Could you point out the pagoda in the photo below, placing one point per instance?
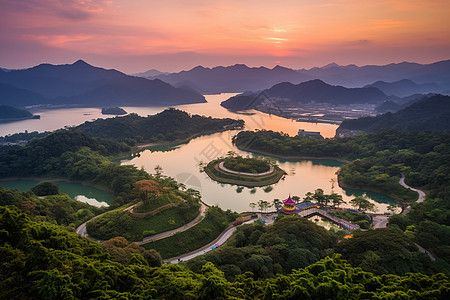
(289, 206)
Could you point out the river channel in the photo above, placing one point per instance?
(182, 161)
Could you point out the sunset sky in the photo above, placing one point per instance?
(137, 35)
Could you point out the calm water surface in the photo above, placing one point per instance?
(182, 161)
(75, 190)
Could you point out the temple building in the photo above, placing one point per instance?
(289, 206)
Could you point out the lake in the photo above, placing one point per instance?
(77, 191)
(182, 161)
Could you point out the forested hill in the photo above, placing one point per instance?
(430, 114)
(42, 261)
(169, 125)
(9, 112)
(306, 92)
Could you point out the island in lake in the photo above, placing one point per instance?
(235, 169)
(113, 111)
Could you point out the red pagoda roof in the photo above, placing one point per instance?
(289, 201)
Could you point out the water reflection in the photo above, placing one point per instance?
(303, 175)
(182, 161)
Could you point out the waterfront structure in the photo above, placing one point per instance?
(289, 206)
(315, 134)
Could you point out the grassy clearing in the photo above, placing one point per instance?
(215, 221)
(122, 223)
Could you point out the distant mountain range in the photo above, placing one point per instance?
(405, 87)
(236, 78)
(420, 78)
(431, 113)
(80, 84)
(306, 92)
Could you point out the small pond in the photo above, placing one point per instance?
(84, 193)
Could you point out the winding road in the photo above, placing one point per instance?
(202, 211)
(381, 221)
(421, 194)
(81, 230)
(221, 239)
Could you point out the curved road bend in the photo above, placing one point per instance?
(81, 230)
(202, 211)
(420, 199)
(223, 237)
(381, 221)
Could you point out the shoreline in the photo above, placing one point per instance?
(368, 189)
(294, 157)
(182, 141)
(98, 186)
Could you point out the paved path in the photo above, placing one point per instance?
(81, 230)
(162, 235)
(380, 221)
(220, 240)
(420, 199)
(423, 250)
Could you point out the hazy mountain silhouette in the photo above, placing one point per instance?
(354, 76)
(430, 113)
(86, 85)
(150, 73)
(10, 95)
(240, 78)
(406, 87)
(306, 92)
(236, 78)
(9, 112)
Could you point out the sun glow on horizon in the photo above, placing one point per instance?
(305, 31)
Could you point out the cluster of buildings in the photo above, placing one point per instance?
(309, 208)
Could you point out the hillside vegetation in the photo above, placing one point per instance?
(42, 261)
(168, 125)
(428, 114)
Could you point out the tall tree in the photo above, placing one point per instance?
(336, 199)
(277, 204)
(148, 189)
(362, 204)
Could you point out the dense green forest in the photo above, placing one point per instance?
(39, 260)
(57, 209)
(428, 114)
(169, 125)
(121, 223)
(294, 242)
(378, 161)
(73, 155)
(9, 112)
(214, 223)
